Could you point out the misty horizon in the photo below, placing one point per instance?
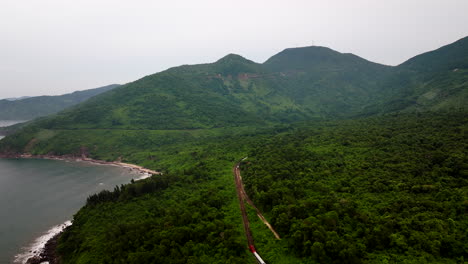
(56, 47)
(21, 97)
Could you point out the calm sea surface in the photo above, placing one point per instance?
(36, 195)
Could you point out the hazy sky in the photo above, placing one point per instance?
(58, 46)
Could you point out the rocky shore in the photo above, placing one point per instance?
(43, 250)
(49, 254)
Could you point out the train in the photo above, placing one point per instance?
(256, 255)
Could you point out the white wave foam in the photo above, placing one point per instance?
(37, 247)
(143, 176)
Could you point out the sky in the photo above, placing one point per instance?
(52, 47)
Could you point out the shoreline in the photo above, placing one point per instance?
(42, 250)
(132, 167)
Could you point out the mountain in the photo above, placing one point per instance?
(234, 91)
(27, 108)
(17, 98)
(298, 84)
(432, 81)
(328, 83)
(447, 58)
(328, 145)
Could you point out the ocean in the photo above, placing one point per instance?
(5, 123)
(37, 196)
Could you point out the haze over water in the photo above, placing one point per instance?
(5, 123)
(36, 195)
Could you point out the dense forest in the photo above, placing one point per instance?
(391, 189)
(189, 214)
(382, 190)
(172, 218)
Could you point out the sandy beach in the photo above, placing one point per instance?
(144, 171)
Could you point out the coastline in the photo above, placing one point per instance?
(132, 167)
(43, 249)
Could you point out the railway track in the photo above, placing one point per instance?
(243, 197)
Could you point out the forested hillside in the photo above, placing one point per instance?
(433, 81)
(328, 83)
(388, 189)
(299, 84)
(352, 161)
(382, 190)
(189, 214)
(32, 107)
(231, 92)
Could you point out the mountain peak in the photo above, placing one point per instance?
(232, 58)
(311, 52)
(302, 58)
(306, 58)
(234, 64)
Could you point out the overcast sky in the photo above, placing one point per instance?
(58, 46)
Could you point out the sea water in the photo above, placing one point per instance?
(37, 197)
(5, 123)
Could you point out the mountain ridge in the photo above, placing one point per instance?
(297, 84)
(37, 106)
(334, 154)
(432, 81)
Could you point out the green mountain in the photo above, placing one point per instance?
(296, 84)
(325, 82)
(436, 80)
(31, 107)
(449, 57)
(337, 159)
